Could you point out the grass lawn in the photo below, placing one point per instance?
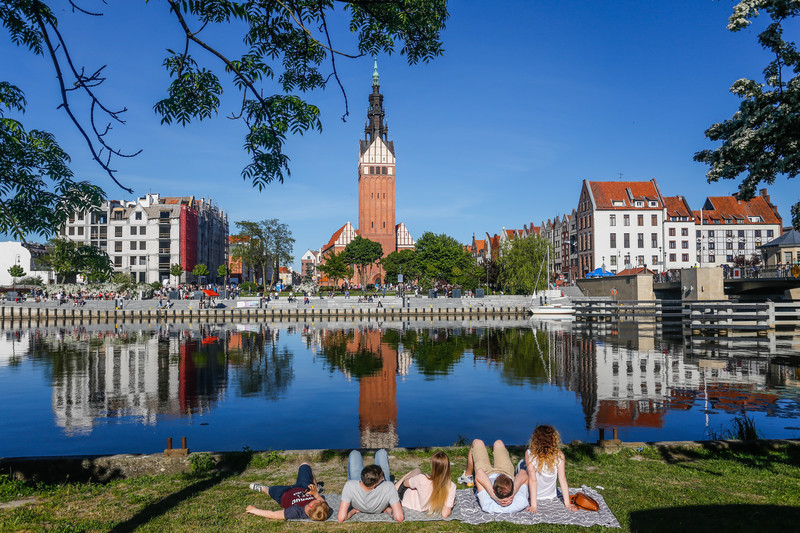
(650, 489)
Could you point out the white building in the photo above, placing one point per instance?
(15, 253)
(679, 234)
(146, 236)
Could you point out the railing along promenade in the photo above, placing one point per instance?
(338, 308)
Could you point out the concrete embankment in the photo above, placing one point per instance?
(389, 307)
(107, 468)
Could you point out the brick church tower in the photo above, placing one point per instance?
(376, 173)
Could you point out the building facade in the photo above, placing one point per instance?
(377, 171)
(146, 236)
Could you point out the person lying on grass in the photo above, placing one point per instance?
(498, 490)
(544, 465)
(368, 489)
(301, 500)
(433, 494)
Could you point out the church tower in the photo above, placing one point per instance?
(376, 173)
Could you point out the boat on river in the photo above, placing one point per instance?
(551, 304)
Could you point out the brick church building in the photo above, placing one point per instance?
(376, 191)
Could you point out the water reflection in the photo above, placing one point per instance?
(630, 377)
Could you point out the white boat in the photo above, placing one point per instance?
(551, 303)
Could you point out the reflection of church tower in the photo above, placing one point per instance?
(376, 172)
(377, 399)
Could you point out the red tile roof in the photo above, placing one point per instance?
(677, 206)
(728, 209)
(335, 236)
(607, 192)
(634, 271)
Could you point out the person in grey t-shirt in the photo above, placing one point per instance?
(372, 493)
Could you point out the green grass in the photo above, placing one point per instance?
(652, 489)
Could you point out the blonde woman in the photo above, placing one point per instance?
(545, 464)
(434, 493)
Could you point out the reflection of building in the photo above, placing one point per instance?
(117, 375)
(377, 396)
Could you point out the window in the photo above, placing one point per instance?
(133, 230)
(740, 233)
(71, 230)
(711, 233)
(654, 220)
(655, 260)
(684, 232)
(672, 232)
(384, 170)
(640, 260)
(654, 240)
(685, 245)
(711, 246)
(729, 233)
(652, 203)
(142, 259)
(787, 257)
(627, 220)
(80, 216)
(118, 261)
(698, 233)
(729, 245)
(138, 215)
(133, 261)
(712, 258)
(613, 240)
(769, 233)
(640, 240)
(372, 170)
(80, 230)
(729, 258)
(640, 220)
(638, 203)
(757, 233)
(133, 245)
(117, 246)
(741, 246)
(118, 231)
(163, 214)
(671, 245)
(672, 257)
(685, 258)
(626, 240)
(612, 220)
(613, 260)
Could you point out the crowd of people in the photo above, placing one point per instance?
(499, 487)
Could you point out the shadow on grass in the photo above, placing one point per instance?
(755, 454)
(726, 518)
(230, 465)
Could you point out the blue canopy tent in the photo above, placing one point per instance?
(599, 272)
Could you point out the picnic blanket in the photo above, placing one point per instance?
(468, 511)
(550, 512)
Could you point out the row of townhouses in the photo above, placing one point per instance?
(144, 237)
(621, 225)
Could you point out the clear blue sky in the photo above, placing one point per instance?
(529, 99)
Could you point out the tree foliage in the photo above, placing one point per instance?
(362, 253)
(200, 270)
(336, 268)
(762, 140)
(37, 189)
(285, 48)
(264, 244)
(441, 260)
(402, 262)
(522, 265)
(68, 258)
(176, 270)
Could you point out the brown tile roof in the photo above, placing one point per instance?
(607, 192)
(335, 236)
(677, 206)
(634, 271)
(728, 209)
(480, 245)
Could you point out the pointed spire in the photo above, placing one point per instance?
(375, 77)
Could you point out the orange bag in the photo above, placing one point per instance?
(584, 502)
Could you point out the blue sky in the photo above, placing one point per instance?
(529, 99)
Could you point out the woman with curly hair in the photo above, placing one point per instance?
(434, 494)
(545, 464)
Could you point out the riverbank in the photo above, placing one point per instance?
(734, 486)
(339, 307)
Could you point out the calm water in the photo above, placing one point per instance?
(102, 389)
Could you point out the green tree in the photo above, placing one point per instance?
(286, 49)
(279, 244)
(93, 263)
(200, 270)
(400, 262)
(522, 265)
(761, 140)
(16, 271)
(441, 260)
(37, 189)
(251, 247)
(61, 258)
(176, 270)
(336, 268)
(224, 271)
(362, 253)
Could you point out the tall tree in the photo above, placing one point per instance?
(200, 270)
(16, 271)
(176, 270)
(523, 268)
(336, 268)
(362, 253)
(441, 260)
(68, 258)
(286, 49)
(93, 263)
(279, 244)
(401, 262)
(251, 247)
(761, 140)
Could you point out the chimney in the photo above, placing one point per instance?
(763, 192)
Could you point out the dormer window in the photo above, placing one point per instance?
(653, 203)
(617, 203)
(638, 203)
